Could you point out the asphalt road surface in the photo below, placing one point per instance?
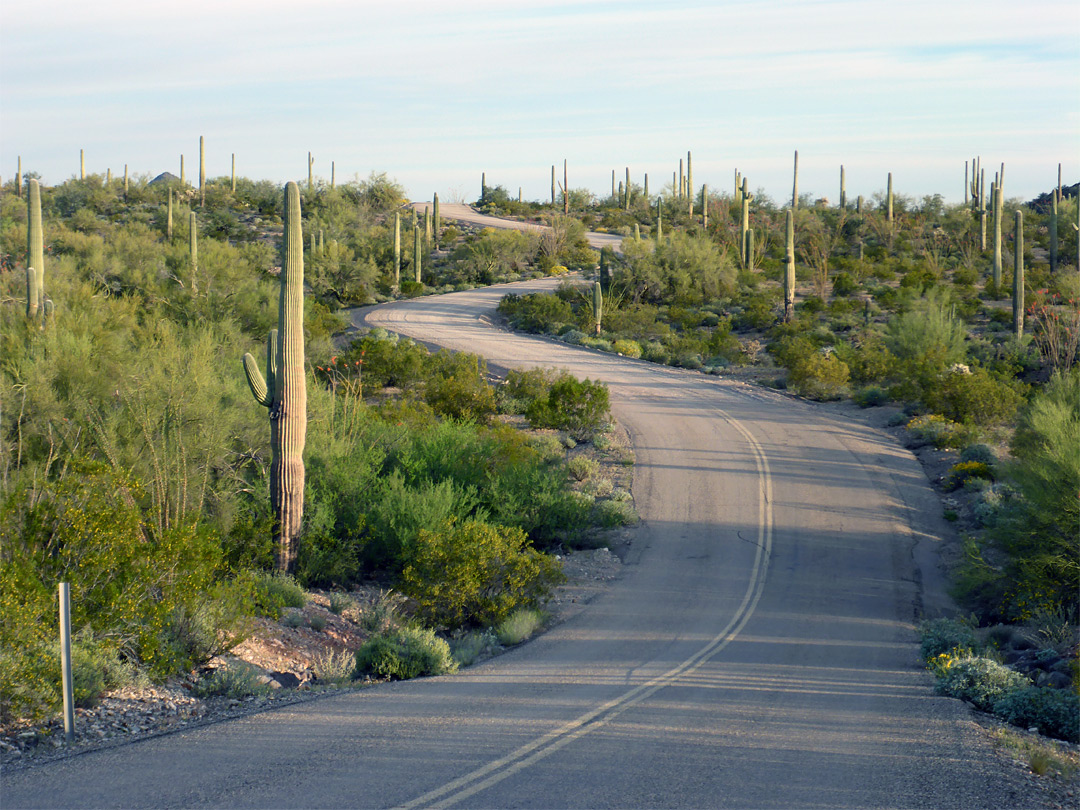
(759, 651)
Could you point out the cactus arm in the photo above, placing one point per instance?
(255, 381)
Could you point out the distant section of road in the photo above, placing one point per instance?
(465, 213)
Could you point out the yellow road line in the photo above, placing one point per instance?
(494, 772)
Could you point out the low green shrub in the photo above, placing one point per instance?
(272, 593)
(941, 432)
(334, 667)
(612, 513)
(582, 467)
(1054, 712)
(237, 681)
(870, 396)
(404, 653)
(340, 602)
(519, 626)
(976, 397)
(961, 473)
(819, 376)
(627, 348)
(980, 681)
(472, 645)
(578, 406)
(943, 635)
(473, 573)
(979, 452)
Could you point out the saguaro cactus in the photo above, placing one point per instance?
(193, 249)
(789, 270)
(438, 217)
(889, 209)
(418, 262)
(795, 184)
(310, 173)
(705, 205)
(234, 172)
(843, 189)
(284, 392)
(202, 171)
(1054, 202)
(995, 192)
(333, 174)
(18, 179)
(1018, 276)
(626, 202)
(565, 189)
(168, 218)
(397, 251)
(659, 220)
(82, 165)
(35, 251)
(553, 184)
(597, 304)
(645, 192)
(744, 224)
(183, 181)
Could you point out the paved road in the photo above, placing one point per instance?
(758, 652)
(465, 213)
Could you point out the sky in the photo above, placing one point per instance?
(436, 93)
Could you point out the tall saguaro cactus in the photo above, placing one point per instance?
(284, 391)
(659, 220)
(418, 262)
(995, 192)
(35, 252)
(597, 304)
(1055, 201)
(438, 217)
(1018, 276)
(705, 206)
(82, 164)
(789, 270)
(183, 180)
(553, 184)
(397, 251)
(795, 184)
(193, 249)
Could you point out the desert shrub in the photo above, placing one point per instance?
(237, 681)
(535, 312)
(844, 284)
(578, 406)
(977, 397)
(941, 432)
(612, 513)
(980, 681)
(340, 602)
(627, 348)
(386, 361)
(574, 336)
(523, 387)
(404, 653)
(1054, 712)
(943, 635)
(868, 360)
(461, 395)
(926, 339)
(870, 396)
(582, 467)
(272, 593)
(819, 376)
(467, 648)
(475, 573)
(1037, 529)
(333, 666)
(596, 343)
(979, 452)
(519, 626)
(411, 289)
(964, 471)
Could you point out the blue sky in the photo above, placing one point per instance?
(434, 93)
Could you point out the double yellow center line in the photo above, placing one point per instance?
(494, 772)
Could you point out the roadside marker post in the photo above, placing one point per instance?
(65, 661)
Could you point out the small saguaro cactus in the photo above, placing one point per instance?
(553, 184)
(168, 218)
(613, 197)
(1018, 276)
(438, 217)
(418, 262)
(659, 220)
(397, 251)
(626, 202)
(1054, 203)
(193, 249)
(789, 270)
(889, 209)
(843, 189)
(284, 391)
(705, 205)
(645, 192)
(597, 304)
(483, 186)
(682, 181)
(795, 184)
(183, 181)
(995, 193)
(310, 173)
(427, 226)
(35, 252)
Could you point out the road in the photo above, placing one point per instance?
(759, 650)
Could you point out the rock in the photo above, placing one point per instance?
(1059, 680)
(286, 680)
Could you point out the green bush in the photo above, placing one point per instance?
(964, 471)
(237, 681)
(979, 452)
(612, 513)
(819, 376)
(941, 432)
(582, 467)
(870, 396)
(522, 387)
(943, 635)
(473, 573)
(976, 397)
(980, 681)
(272, 593)
(578, 406)
(627, 348)
(535, 312)
(519, 626)
(404, 653)
(1054, 712)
